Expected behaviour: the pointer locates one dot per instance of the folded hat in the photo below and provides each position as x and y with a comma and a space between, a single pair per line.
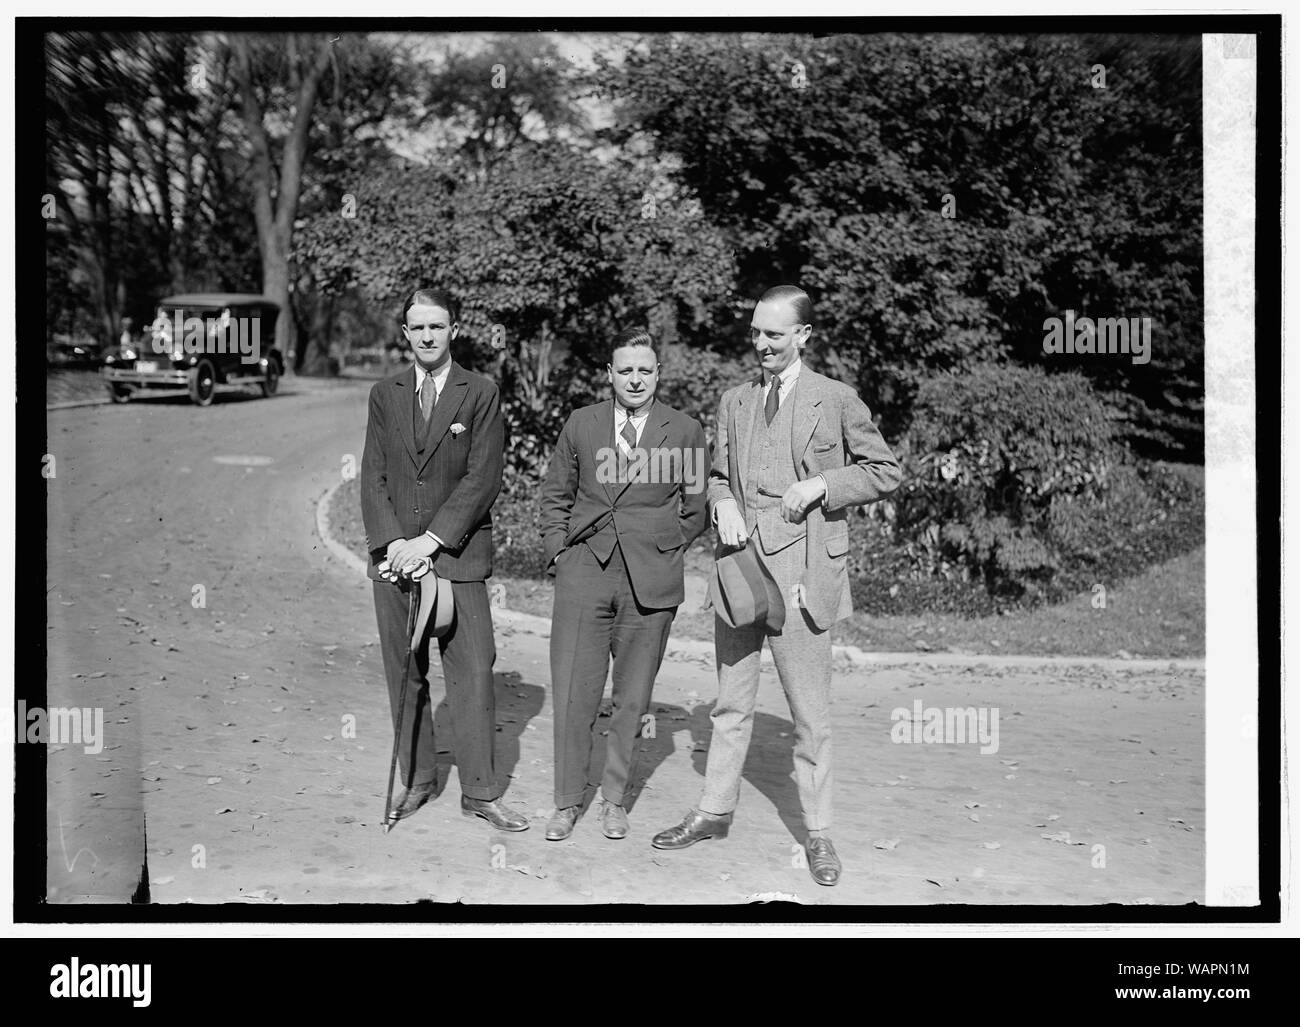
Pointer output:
436, 601
744, 592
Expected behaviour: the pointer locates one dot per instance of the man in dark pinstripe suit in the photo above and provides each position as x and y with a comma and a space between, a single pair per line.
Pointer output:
431, 471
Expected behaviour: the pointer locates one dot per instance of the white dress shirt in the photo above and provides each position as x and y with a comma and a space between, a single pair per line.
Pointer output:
439, 379
638, 419
787, 377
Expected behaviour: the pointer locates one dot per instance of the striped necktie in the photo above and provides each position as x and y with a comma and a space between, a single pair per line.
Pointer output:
773, 402
428, 395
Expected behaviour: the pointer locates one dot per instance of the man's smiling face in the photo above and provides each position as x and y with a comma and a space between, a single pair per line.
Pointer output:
776, 335
429, 331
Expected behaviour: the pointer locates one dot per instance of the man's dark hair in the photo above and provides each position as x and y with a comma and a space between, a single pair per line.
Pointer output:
432, 298
636, 336
796, 297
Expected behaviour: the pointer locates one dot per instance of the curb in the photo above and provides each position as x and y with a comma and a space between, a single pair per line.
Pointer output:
694, 648
345, 555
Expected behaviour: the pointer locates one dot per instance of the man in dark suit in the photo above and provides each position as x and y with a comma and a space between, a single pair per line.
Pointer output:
795, 451
624, 496
434, 456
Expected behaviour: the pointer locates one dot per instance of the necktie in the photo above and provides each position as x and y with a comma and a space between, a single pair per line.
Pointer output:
629, 434
773, 402
427, 396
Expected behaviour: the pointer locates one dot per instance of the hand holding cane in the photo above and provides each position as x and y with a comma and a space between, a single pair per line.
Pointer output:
421, 569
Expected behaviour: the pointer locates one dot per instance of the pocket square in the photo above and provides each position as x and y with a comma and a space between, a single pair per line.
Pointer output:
457, 428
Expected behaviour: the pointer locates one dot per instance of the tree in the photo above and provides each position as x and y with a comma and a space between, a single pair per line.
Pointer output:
84, 86
365, 109
276, 177
552, 253
142, 160
510, 91
941, 196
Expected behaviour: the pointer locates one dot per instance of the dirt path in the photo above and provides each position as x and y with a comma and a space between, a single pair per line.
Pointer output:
230, 743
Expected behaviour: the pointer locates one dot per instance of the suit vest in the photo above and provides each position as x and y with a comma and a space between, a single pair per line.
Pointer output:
770, 471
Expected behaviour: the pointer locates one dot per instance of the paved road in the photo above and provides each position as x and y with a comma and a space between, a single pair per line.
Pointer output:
247, 737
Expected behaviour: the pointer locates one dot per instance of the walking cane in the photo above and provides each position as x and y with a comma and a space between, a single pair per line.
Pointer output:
413, 605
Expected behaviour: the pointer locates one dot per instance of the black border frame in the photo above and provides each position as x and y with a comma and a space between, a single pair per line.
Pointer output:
29, 866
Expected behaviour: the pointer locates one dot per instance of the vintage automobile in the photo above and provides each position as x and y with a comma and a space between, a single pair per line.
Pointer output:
200, 343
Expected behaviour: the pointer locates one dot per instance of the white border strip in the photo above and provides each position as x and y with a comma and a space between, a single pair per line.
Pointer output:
1229, 72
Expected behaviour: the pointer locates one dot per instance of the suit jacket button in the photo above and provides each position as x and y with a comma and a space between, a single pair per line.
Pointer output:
419, 482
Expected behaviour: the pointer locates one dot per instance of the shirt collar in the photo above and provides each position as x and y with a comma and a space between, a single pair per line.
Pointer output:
439, 378
788, 375
621, 415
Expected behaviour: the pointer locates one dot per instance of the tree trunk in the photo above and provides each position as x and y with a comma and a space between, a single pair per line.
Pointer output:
274, 215
275, 285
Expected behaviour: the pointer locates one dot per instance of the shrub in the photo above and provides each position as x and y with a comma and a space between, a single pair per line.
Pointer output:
1016, 487
533, 425
996, 459
515, 536
693, 381
1148, 514
885, 578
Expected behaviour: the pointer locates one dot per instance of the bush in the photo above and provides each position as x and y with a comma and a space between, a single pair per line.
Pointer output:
533, 425
885, 579
1016, 487
515, 534
693, 381
1148, 514
995, 458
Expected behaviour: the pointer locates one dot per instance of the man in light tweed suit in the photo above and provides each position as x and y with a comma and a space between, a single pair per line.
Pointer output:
794, 451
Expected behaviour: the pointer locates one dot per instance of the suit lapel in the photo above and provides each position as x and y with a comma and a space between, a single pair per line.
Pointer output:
402, 406
656, 431
804, 416
454, 391
653, 437
745, 419
601, 435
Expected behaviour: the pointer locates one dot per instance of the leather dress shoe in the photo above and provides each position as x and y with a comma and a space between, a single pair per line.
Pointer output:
695, 828
561, 825
823, 863
495, 812
613, 820
411, 799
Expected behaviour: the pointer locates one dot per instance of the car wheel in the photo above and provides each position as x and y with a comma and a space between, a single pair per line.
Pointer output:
272, 380
119, 393
203, 384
